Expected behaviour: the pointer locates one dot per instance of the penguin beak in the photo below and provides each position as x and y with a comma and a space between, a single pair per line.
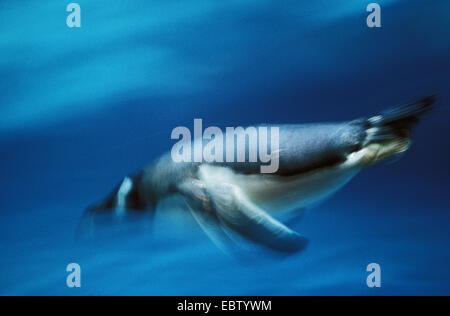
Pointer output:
126, 192
94, 208
104, 204
101, 206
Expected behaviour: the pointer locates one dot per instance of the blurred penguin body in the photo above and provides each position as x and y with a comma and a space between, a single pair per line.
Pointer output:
231, 199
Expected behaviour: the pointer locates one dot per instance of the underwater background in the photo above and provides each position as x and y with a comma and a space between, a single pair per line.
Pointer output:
81, 108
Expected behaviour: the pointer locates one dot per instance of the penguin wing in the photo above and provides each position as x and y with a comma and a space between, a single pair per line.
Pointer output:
225, 206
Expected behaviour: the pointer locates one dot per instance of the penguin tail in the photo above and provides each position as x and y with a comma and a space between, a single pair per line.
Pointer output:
389, 132
400, 119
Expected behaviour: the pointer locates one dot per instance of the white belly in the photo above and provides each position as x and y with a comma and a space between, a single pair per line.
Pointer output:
279, 194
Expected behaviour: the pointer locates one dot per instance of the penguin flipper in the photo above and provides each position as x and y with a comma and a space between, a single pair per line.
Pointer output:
230, 208
212, 228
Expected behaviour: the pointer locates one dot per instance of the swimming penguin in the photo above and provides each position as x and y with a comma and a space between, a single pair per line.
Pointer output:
231, 200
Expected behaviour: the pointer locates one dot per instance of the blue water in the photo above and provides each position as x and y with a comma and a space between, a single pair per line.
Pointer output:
81, 108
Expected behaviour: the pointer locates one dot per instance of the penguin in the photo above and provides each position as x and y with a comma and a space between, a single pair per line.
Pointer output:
234, 201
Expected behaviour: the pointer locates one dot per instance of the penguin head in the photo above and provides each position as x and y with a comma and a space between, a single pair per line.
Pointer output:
127, 195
